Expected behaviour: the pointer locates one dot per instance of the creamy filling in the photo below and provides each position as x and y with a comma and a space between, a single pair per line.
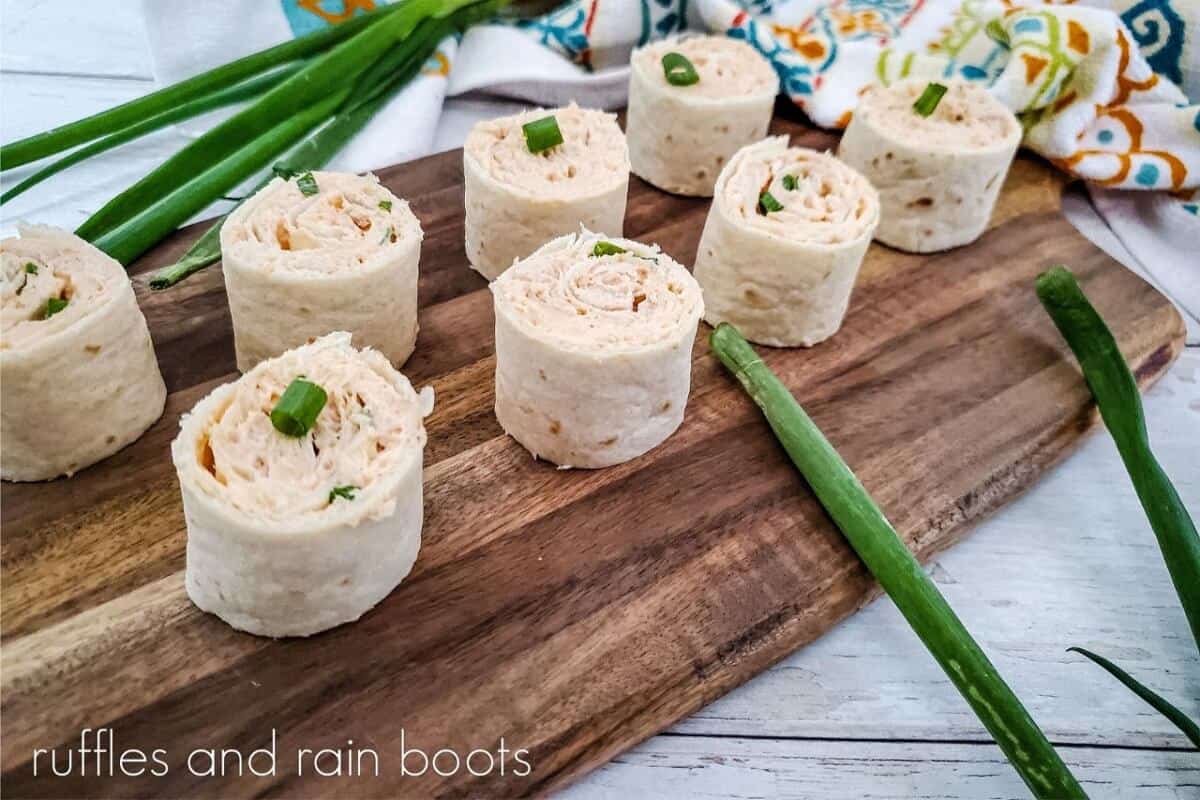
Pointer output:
349, 221
591, 159
367, 429
824, 200
727, 68
45, 268
967, 117
606, 302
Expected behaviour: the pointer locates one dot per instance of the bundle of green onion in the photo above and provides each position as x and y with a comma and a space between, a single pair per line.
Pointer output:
310, 95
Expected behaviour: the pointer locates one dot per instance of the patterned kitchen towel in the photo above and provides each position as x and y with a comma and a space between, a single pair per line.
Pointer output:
1101, 85
1100, 92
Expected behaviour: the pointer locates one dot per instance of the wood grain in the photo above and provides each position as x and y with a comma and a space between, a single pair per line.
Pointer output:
570, 613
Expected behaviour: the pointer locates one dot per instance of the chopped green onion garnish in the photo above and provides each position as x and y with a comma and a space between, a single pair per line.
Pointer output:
53, 306
387, 235
284, 172
768, 203
31, 268
307, 184
298, 408
607, 249
678, 70
386, 205
789, 182
927, 103
344, 492
542, 134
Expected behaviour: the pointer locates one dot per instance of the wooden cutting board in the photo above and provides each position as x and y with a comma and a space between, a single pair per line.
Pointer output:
569, 613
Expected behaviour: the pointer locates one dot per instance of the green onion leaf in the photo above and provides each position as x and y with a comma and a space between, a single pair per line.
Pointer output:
326, 81
388, 235
1156, 701
53, 306
789, 182
137, 111
678, 70
898, 572
607, 249
542, 134
371, 94
1116, 394
344, 492
297, 410
768, 203
927, 103
31, 268
385, 205
242, 91
307, 184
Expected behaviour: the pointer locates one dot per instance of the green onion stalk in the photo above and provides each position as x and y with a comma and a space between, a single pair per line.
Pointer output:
1116, 394
331, 73
138, 233
899, 573
1156, 701
374, 90
222, 97
135, 111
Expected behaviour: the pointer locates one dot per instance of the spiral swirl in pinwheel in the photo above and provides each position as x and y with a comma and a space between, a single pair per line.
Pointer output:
938, 176
517, 200
317, 253
291, 536
78, 376
680, 137
784, 238
593, 349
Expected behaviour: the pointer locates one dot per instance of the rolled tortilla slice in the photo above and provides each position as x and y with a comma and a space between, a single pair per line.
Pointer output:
291, 536
78, 385
517, 200
680, 137
593, 352
784, 276
305, 258
938, 176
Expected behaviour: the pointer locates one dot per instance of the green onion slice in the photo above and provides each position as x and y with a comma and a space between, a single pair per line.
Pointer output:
298, 408
386, 205
344, 492
31, 268
927, 103
284, 172
768, 203
607, 249
678, 70
307, 184
53, 306
789, 182
542, 134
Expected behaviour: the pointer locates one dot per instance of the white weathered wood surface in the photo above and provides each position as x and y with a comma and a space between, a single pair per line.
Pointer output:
864, 712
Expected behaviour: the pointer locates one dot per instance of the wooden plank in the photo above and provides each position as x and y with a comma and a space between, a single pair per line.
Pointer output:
741, 769
574, 613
